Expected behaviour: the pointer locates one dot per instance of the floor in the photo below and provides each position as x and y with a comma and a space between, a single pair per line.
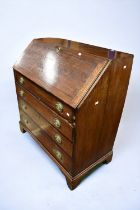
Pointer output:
29, 180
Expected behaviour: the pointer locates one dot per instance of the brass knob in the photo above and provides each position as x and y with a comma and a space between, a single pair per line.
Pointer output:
24, 107
57, 123
59, 106
21, 92
58, 154
26, 121
21, 80
58, 138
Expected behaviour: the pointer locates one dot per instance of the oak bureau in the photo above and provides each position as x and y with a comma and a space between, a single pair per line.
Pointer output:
70, 97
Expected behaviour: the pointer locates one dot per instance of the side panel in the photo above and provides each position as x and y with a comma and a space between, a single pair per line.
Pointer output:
89, 121
97, 125
119, 80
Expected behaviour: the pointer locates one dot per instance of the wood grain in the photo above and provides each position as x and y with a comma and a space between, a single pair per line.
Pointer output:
90, 83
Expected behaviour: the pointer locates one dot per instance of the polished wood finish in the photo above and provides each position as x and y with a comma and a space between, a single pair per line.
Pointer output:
71, 97
65, 144
44, 96
89, 124
44, 139
46, 112
58, 71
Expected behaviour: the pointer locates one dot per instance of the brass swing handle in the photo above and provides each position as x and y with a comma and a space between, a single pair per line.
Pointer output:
59, 106
57, 154
57, 123
58, 138
21, 93
21, 80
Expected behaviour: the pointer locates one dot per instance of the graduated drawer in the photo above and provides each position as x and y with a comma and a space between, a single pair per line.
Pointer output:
56, 136
58, 106
53, 118
45, 140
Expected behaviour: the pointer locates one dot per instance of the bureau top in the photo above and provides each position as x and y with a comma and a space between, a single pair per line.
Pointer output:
64, 68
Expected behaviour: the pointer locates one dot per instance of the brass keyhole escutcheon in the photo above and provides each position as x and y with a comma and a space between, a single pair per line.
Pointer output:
58, 49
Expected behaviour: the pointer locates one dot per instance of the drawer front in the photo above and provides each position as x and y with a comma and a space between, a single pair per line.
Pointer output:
58, 122
58, 106
41, 136
56, 136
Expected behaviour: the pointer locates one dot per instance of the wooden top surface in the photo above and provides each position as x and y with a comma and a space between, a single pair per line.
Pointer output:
63, 71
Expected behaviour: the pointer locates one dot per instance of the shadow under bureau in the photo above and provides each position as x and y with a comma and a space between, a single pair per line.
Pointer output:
71, 96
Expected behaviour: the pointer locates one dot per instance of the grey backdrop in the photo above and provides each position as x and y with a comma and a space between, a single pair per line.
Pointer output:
29, 180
